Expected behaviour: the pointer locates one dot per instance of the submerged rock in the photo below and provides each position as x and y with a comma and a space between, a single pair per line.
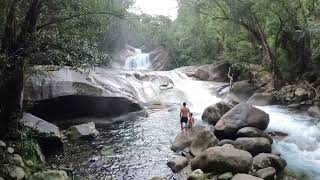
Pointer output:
83, 131
213, 113
265, 160
203, 141
183, 141
178, 164
223, 159
242, 115
49, 175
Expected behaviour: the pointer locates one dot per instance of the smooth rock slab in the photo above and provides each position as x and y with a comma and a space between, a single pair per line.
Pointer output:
266, 173
245, 177
242, 115
49, 175
203, 141
178, 164
223, 159
265, 160
83, 131
254, 145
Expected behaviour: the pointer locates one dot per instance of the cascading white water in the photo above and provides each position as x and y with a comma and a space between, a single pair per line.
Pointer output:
139, 61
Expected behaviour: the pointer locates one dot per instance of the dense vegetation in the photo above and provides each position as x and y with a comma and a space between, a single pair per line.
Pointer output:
46, 32
282, 35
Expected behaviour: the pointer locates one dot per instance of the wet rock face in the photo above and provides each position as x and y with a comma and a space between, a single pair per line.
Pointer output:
223, 159
72, 93
242, 115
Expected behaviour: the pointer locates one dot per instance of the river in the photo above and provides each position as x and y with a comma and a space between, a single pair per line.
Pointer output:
138, 147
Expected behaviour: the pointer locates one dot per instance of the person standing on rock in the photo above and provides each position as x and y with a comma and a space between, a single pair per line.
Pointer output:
191, 121
184, 114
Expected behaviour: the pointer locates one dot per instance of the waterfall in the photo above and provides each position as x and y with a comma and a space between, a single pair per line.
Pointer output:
138, 61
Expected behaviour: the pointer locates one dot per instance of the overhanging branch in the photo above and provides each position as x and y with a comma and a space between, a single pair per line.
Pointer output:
61, 20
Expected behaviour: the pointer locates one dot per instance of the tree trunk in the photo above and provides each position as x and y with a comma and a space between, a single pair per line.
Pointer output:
12, 75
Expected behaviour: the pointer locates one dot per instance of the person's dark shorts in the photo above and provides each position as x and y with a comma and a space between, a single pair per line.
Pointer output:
184, 120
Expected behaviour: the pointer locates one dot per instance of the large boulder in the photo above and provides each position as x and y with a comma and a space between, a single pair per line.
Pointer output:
314, 111
49, 175
203, 141
242, 115
83, 131
178, 164
12, 172
213, 72
254, 145
266, 173
197, 175
223, 159
245, 177
242, 90
265, 160
213, 113
261, 99
253, 132
183, 141
66, 92
48, 135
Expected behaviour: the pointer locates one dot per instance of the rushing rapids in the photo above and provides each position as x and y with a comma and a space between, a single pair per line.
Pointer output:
137, 147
